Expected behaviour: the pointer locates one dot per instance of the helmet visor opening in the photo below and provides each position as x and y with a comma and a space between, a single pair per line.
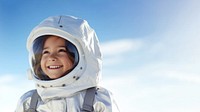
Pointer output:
37, 53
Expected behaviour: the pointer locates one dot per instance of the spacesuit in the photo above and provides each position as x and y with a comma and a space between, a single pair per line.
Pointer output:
66, 94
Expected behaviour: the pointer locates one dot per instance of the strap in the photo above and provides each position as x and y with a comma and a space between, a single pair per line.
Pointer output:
89, 100
34, 101
87, 104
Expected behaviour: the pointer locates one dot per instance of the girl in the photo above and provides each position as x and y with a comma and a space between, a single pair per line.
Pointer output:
66, 62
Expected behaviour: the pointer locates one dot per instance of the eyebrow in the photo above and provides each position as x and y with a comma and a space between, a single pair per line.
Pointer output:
48, 47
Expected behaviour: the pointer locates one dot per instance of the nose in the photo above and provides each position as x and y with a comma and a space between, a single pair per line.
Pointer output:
52, 57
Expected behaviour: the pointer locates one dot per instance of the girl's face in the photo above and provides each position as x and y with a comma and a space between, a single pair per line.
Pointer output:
55, 61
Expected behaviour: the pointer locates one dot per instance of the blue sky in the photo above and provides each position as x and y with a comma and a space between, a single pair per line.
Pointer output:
151, 49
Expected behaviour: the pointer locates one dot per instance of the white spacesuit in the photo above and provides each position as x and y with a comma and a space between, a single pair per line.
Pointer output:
66, 94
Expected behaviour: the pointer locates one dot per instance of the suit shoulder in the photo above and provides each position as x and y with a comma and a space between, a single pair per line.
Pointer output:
27, 95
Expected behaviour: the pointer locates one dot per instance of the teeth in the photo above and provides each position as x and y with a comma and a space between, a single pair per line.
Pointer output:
54, 67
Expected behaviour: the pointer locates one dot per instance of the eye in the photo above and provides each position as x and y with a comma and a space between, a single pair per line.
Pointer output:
62, 50
45, 52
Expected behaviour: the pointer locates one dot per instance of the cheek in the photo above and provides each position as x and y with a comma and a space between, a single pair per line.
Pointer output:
42, 62
70, 64
67, 62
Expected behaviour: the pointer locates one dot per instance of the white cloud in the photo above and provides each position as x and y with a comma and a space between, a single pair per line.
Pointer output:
148, 90
183, 76
118, 47
114, 51
166, 80
6, 79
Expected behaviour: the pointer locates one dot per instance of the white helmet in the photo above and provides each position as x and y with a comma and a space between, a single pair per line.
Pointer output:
84, 46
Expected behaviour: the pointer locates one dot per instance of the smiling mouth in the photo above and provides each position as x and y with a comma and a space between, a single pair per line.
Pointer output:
55, 67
